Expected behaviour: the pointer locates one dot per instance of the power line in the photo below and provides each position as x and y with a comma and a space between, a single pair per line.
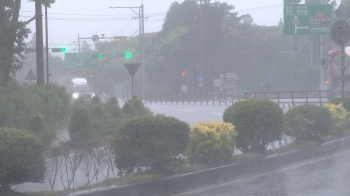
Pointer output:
260, 8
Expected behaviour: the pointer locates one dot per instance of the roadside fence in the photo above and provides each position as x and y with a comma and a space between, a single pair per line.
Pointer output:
286, 100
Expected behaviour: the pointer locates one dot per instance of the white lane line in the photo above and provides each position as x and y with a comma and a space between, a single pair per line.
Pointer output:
187, 110
218, 113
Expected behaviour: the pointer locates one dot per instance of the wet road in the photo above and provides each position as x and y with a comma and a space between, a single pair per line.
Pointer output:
324, 176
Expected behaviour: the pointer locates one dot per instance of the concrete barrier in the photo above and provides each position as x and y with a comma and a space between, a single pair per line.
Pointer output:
185, 181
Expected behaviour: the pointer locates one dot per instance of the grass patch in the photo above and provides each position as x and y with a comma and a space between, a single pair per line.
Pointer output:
246, 157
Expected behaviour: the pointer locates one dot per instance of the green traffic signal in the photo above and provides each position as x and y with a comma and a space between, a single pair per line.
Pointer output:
128, 55
100, 56
64, 49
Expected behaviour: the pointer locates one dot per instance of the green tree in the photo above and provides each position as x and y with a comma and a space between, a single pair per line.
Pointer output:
116, 112
12, 41
80, 126
258, 122
21, 158
128, 109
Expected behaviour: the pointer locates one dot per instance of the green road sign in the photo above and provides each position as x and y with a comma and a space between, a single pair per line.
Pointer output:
291, 1
77, 60
302, 19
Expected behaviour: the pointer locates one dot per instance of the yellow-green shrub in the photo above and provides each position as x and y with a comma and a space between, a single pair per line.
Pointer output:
339, 116
211, 143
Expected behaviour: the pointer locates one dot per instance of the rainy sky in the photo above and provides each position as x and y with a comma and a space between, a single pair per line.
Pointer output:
67, 18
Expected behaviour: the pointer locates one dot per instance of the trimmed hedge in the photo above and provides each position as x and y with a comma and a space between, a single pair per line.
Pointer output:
258, 122
153, 142
21, 158
308, 122
338, 100
339, 115
211, 143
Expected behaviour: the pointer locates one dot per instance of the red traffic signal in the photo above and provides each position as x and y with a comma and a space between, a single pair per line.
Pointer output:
183, 73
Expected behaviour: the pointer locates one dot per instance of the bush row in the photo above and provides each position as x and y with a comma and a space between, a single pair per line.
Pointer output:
93, 119
161, 144
18, 103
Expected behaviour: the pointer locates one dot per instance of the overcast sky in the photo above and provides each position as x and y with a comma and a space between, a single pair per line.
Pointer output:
67, 18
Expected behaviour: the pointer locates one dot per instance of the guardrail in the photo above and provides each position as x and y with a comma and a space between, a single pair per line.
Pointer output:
226, 98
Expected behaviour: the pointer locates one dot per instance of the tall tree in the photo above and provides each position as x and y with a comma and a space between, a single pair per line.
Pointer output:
12, 41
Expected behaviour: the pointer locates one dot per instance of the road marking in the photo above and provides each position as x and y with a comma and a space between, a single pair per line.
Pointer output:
314, 160
218, 113
187, 110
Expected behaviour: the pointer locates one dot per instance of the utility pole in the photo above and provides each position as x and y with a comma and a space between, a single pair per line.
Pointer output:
47, 47
39, 43
141, 18
343, 29
79, 43
321, 55
200, 66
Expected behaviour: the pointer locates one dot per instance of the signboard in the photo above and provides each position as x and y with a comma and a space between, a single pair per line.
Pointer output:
291, 1
217, 82
302, 19
200, 78
30, 75
95, 38
231, 81
132, 68
184, 88
340, 32
306, 1
77, 59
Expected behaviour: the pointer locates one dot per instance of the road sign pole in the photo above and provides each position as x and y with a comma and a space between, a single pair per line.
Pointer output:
132, 86
342, 61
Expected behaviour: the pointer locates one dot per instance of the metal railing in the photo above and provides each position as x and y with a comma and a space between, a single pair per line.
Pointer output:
227, 98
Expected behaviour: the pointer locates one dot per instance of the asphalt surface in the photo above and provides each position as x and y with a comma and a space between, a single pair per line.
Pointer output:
322, 176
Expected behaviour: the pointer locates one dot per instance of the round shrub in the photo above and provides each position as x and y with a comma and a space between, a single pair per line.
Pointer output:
78, 102
112, 101
21, 159
339, 116
80, 126
211, 143
338, 100
307, 122
140, 108
116, 112
154, 142
128, 109
95, 100
37, 126
99, 112
258, 122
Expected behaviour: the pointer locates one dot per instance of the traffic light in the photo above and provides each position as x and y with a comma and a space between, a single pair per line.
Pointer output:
183, 74
128, 55
97, 56
64, 49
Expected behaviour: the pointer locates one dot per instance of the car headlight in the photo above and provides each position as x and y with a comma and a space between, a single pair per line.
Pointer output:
93, 95
75, 95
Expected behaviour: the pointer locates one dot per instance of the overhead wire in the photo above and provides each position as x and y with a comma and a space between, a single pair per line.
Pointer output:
133, 21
